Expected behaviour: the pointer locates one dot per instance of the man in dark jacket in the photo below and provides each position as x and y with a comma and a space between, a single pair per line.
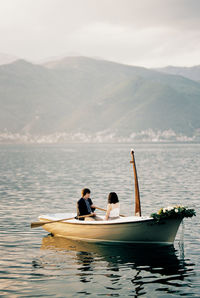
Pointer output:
85, 205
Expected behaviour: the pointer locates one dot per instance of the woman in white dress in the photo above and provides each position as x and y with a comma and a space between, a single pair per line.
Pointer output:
112, 207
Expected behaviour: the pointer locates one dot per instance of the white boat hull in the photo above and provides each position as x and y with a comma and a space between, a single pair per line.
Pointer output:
124, 230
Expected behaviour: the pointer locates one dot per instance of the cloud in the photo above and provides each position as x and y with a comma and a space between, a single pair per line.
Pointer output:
145, 32
150, 46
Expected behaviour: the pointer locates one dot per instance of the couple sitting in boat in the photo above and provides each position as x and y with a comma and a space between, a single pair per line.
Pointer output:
85, 206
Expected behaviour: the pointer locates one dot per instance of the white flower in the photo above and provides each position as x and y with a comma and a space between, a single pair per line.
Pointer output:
164, 210
176, 210
169, 208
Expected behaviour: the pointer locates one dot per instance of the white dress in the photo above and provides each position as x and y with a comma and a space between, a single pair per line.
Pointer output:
114, 213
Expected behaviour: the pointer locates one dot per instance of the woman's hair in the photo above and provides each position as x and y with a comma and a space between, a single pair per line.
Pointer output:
112, 198
84, 191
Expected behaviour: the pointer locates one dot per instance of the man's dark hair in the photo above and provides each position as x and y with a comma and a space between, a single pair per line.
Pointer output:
112, 198
84, 191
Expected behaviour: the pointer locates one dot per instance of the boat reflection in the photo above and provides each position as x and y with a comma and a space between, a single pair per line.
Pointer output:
161, 262
145, 257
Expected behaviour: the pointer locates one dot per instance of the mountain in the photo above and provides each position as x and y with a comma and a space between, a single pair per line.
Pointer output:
85, 96
192, 73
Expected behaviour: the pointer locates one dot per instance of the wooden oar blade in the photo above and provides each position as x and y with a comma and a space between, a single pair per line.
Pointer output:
37, 224
41, 223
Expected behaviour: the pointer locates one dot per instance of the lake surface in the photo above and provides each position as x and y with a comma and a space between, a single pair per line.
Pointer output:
43, 179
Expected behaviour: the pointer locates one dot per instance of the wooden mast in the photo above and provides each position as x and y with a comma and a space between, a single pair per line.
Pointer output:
137, 192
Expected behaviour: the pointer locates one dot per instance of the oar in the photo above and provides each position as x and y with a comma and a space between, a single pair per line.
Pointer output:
106, 210
41, 223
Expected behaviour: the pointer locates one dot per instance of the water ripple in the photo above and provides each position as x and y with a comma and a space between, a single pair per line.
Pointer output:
46, 179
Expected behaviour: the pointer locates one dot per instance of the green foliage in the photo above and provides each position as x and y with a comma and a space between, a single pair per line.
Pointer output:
173, 212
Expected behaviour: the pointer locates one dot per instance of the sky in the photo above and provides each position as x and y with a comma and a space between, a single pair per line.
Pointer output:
149, 33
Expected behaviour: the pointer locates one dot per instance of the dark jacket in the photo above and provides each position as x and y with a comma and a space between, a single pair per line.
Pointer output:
82, 207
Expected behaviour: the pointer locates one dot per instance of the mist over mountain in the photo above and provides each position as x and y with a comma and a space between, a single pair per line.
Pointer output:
77, 97
192, 73
6, 59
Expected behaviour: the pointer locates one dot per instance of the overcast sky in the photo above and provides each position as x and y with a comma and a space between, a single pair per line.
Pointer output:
148, 33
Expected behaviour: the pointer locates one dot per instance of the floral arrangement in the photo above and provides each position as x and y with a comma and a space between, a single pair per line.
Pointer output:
173, 212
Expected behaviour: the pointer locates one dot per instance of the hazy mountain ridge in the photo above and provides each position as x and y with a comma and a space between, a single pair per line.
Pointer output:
192, 73
84, 97
6, 59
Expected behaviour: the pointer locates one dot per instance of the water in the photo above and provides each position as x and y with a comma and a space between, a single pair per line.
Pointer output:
48, 179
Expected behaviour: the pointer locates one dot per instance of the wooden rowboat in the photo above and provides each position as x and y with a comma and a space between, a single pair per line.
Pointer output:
128, 229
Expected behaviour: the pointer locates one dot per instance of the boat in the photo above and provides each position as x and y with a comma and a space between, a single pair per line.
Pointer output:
130, 229
159, 229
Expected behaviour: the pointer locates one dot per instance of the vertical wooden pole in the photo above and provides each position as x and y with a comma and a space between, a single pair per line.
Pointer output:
137, 192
